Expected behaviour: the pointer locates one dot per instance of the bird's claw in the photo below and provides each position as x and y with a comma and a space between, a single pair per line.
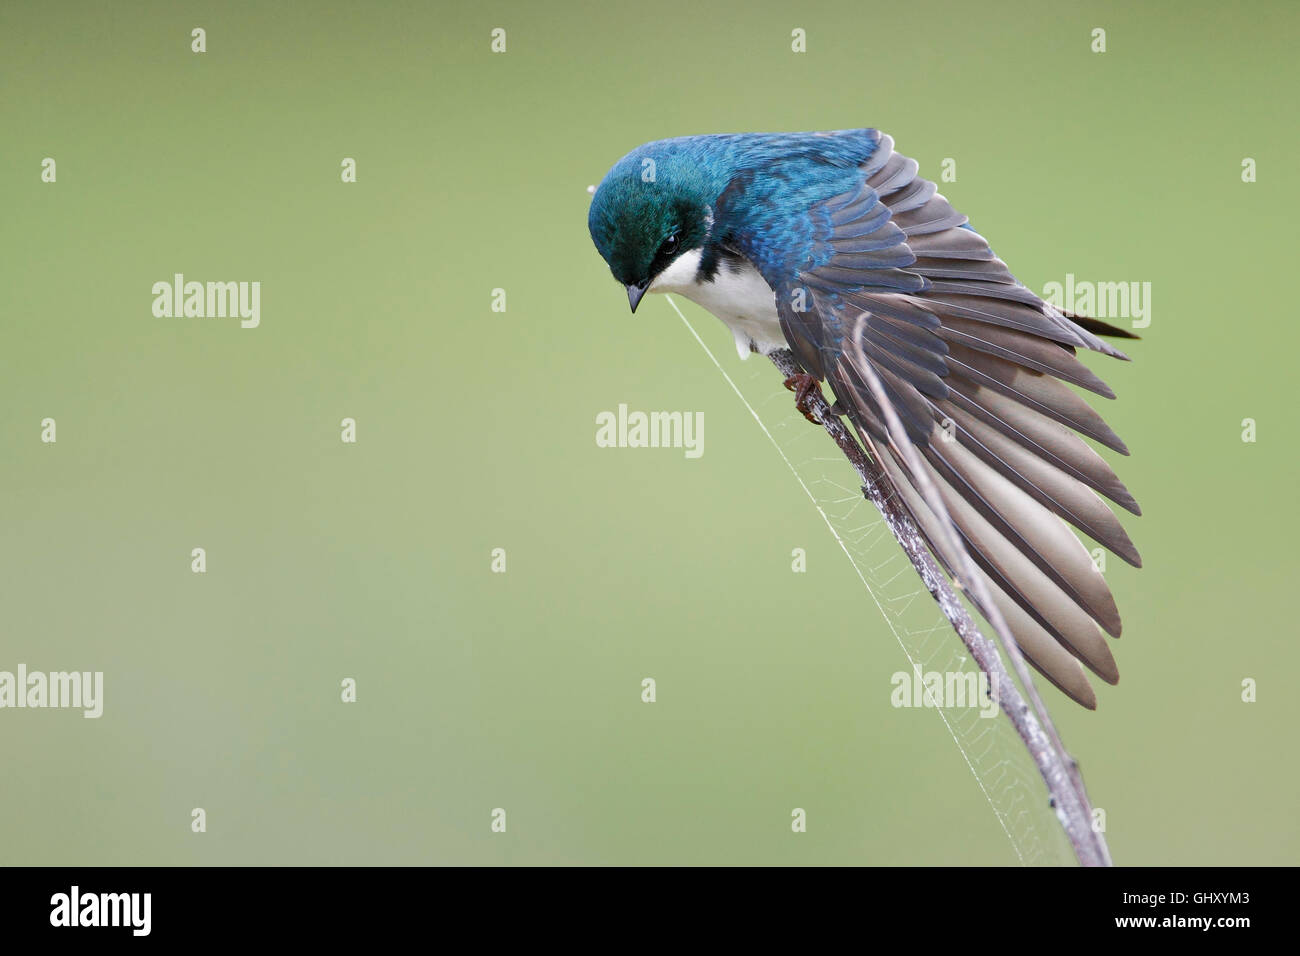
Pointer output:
804, 387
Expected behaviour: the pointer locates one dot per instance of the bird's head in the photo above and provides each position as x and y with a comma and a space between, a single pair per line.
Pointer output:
648, 211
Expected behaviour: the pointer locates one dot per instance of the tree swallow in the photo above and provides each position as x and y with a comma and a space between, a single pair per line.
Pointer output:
830, 245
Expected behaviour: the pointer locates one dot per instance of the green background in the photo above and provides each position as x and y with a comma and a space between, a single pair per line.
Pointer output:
476, 431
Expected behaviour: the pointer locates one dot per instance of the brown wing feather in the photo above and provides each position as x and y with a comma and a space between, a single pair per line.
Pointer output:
980, 372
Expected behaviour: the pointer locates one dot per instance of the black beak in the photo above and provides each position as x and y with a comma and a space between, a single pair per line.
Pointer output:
634, 293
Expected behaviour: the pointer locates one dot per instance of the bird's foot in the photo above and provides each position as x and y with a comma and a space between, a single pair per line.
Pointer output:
804, 387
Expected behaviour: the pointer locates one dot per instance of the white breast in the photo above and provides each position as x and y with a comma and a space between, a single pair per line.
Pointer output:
742, 299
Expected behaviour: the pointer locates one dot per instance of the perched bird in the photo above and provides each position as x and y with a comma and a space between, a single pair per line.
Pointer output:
829, 244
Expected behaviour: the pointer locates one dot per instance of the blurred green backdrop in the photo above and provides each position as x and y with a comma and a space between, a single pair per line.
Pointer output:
476, 431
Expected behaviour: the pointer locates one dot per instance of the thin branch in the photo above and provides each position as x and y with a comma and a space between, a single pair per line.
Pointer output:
1059, 771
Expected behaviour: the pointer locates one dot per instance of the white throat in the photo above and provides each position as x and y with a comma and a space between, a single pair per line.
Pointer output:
740, 298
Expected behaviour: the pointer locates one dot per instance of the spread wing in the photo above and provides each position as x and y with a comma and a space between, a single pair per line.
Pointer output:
979, 370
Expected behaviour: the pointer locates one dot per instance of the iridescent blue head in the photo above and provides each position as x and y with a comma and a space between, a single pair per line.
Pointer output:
652, 207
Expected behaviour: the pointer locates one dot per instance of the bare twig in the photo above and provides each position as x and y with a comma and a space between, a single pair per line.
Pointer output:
1058, 769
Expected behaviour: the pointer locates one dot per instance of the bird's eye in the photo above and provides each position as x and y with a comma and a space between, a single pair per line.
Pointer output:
670, 246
